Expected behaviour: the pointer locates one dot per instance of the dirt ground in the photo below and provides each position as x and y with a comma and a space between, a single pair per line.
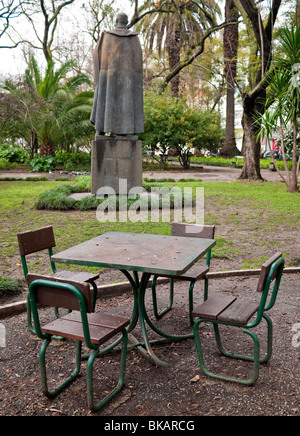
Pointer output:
150, 391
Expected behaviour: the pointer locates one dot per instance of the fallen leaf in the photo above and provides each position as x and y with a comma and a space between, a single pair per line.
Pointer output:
195, 379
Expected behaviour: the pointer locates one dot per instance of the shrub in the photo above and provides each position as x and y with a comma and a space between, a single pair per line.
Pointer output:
46, 164
4, 164
82, 184
171, 122
56, 199
59, 198
9, 286
74, 161
14, 154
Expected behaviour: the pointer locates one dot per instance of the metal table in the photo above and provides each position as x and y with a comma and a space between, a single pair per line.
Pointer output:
139, 253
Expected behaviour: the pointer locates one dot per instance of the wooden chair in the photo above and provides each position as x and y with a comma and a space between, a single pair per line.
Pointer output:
34, 241
81, 325
242, 313
194, 274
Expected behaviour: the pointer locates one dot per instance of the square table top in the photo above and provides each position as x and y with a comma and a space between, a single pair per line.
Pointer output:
156, 254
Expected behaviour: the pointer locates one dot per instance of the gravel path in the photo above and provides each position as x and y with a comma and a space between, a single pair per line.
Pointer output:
204, 172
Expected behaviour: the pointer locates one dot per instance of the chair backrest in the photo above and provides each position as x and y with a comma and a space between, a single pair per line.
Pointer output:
193, 230
34, 241
55, 292
265, 270
271, 271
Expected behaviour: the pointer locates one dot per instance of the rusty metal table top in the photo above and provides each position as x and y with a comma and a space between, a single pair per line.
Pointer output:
155, 254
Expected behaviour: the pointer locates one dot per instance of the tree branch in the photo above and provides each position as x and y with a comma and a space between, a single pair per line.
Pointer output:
190, 60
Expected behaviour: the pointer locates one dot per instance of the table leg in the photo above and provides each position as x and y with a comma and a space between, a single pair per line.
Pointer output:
139, 313
139, 288
142, 319
134, 317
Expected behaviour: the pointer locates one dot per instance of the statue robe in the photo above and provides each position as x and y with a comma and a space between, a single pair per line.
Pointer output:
118, 99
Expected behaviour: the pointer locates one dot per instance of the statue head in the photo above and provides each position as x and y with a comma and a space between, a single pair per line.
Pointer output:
122, 20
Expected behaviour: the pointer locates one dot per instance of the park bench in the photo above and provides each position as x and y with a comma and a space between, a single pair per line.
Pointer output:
81, 324
194, 274
242, 313
42, 239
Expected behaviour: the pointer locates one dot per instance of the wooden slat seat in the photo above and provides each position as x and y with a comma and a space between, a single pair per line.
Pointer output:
102, 327
227, 309
76, 276
239, 312
213, 306
193, 274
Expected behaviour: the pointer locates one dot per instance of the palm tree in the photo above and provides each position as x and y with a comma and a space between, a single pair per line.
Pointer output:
60, 104
176, 25
282, 108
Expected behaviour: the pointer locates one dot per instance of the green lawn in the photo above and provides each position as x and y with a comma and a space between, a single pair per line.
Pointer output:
253, 220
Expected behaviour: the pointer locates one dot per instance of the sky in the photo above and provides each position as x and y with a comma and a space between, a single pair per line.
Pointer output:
12, 60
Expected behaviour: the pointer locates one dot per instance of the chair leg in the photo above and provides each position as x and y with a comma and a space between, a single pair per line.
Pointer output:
249, 358
254, 359
29, 318
269, 339
191, 297
90, 384
95, 293
191, 302
68, 381
157, 314
205, 288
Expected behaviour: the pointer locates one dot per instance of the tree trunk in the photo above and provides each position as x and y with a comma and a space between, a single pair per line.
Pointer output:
298, 13
251, 147
47, 150
34, 145
263, 33
174, 59
231, 42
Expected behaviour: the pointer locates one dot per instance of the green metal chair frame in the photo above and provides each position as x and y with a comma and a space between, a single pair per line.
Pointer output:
34, 241
227, 314
179, 229
74, 296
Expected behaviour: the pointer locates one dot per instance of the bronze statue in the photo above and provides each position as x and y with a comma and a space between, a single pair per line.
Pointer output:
118, 65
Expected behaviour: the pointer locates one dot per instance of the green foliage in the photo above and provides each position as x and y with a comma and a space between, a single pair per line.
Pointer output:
47, 108
170, 122
59, 197
56, 199
236, 163
38, 164
14, 154
282, 105
9, 286
4, 164
74, 161
82, 184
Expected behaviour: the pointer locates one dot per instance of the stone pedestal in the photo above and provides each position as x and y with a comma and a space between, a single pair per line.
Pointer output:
115, 158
